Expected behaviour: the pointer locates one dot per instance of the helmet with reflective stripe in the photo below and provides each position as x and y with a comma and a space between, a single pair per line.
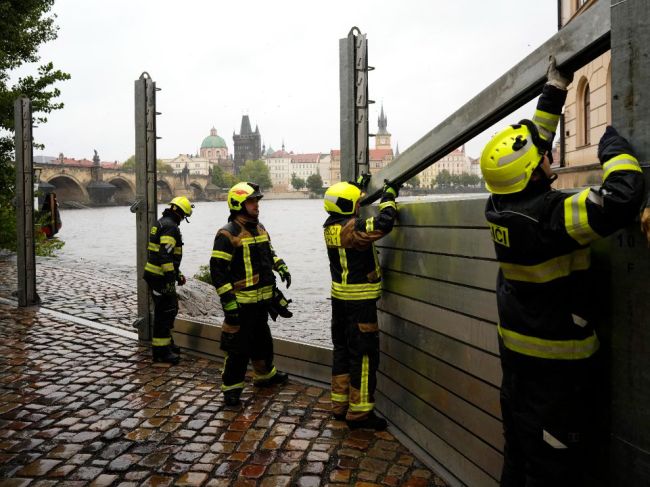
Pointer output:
241, 192
509, 159
183, 204
342, 198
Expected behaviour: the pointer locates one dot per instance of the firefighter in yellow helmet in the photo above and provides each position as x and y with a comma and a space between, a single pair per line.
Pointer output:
550, 394
356, 287
162, 273
241, 268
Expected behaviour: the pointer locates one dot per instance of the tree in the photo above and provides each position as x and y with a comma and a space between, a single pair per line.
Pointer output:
222, 179
162, 168
296, 182
314, 183
129, 164
414, 182
444, 179
256, 172
24, 26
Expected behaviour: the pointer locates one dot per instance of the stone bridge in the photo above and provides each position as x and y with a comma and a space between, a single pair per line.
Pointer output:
79, 184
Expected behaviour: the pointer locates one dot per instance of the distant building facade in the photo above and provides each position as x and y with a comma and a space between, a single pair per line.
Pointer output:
455, 163
248, 144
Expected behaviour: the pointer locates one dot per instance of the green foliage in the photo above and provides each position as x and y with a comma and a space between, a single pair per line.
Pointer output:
129, 164
24, 26
222, 179
256, 172
314, 184
162, 168
444, 179
414, 182
204, 274
296, 182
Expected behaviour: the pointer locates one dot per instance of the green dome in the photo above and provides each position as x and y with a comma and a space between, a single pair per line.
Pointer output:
213, 142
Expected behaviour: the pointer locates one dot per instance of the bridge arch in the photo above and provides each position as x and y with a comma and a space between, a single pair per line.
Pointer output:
197, 191
69, 189
125, 193
165, 193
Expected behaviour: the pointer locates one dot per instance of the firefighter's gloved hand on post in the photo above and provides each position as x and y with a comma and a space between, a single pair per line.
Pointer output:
230, 309
391, 190
555, 77
612, 144
279, 305
180, 279
282, 269
362, 181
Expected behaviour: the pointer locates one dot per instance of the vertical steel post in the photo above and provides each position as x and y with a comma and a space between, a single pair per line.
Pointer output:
145, 206
353, 79
26, 256
629, 259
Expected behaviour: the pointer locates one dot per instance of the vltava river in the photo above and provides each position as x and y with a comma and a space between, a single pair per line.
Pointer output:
107, 236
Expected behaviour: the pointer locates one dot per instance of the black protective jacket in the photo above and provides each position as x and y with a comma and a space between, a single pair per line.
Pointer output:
354, 265
541, 237
165, 250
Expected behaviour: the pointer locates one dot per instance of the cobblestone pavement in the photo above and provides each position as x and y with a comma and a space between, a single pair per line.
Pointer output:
88, 290
80, 406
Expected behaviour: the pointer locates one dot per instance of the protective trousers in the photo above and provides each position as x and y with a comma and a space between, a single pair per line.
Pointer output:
251, 339
355, 336
550, 420
164, 314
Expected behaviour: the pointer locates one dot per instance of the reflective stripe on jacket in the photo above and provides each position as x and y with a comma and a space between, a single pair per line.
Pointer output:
354, 264
164, 251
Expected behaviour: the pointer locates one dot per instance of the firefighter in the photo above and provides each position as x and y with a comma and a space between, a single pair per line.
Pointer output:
241, 268
162, 273
550, 395
356, 287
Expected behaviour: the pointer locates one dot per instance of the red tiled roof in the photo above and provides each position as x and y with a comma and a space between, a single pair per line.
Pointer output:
315, 157
380, 154
280, 153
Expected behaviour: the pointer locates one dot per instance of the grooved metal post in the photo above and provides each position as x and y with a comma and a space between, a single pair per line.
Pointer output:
629, 258
25, 203
353, 79
145, 206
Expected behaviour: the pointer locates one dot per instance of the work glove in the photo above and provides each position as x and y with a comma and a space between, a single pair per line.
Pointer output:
391, 190
555, 77
362, 181
645, 224
283, 270
612, 144
180, 279
230, 309
279, 305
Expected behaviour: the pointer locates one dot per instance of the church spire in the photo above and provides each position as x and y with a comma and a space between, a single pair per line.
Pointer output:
382, 121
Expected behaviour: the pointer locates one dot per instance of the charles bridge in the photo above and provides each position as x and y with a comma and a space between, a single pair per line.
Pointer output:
98, 185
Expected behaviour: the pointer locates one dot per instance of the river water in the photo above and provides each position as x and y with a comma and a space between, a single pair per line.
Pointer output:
107, 237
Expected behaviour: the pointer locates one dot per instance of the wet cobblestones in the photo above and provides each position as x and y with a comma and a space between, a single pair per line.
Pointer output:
87, 290
84, 407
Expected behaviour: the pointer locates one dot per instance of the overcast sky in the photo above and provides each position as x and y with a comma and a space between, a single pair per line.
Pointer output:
276, 61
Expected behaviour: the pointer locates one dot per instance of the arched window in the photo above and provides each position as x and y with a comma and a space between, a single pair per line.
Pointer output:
586, 103
583, 115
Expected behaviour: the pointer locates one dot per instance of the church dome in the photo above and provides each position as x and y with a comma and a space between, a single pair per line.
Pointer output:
213, 141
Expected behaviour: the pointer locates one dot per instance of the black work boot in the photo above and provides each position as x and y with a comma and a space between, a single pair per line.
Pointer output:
164, 355
371, 422
231, 397
278, 378
174, 348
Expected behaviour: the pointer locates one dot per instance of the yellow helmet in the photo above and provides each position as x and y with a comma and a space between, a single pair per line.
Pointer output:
184, 204
241, 192
342, 198
509, 159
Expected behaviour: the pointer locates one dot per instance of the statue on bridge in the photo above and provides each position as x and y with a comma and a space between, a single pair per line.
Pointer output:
96, 158
185, 173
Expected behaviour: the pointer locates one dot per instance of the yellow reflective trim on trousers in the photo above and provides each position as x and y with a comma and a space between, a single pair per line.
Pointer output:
356, 291
239, 385
224, 289
623, 162
576, 218
343, 258
370, 225
154, 269
255, 295
178, 250
258, 378
167, 267
386, 204
167, 239
363, 404
550, 270
549, 349
161, 342
339, 397
218, 254
154, 247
